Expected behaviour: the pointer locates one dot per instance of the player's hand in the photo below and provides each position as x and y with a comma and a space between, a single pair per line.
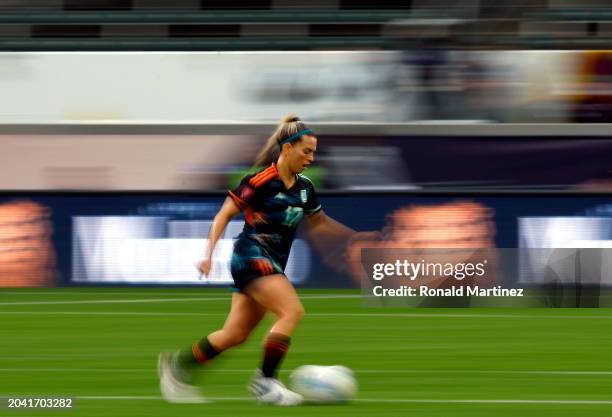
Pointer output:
204, 267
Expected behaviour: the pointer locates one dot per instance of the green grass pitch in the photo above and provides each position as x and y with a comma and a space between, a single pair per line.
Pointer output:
99, 346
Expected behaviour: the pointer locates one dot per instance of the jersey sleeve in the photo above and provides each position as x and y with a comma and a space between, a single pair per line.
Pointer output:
312, 203
244, 194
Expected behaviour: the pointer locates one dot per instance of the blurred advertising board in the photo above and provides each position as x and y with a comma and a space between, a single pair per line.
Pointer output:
158, 249
155, 238
27, 255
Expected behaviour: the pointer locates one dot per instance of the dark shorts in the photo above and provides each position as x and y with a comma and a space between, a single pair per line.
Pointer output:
250, 261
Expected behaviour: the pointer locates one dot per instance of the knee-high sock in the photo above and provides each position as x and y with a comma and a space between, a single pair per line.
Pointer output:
275, 349
198, 353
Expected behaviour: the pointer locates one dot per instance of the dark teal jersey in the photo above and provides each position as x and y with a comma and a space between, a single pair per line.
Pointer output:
272, 211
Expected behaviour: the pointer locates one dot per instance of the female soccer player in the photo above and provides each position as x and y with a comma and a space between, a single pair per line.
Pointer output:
274, 201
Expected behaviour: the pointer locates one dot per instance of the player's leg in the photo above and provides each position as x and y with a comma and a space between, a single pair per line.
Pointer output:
244, 316
276, 294
175, 369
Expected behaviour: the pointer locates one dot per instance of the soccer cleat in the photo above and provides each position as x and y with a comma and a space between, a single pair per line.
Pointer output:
272, 391
171, 385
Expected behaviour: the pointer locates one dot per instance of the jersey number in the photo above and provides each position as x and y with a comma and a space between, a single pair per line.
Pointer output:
293, 215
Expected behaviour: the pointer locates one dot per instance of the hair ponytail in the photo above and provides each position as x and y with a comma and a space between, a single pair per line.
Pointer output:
289, 125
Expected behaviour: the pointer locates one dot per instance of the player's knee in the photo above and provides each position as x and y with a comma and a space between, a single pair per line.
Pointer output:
296, 313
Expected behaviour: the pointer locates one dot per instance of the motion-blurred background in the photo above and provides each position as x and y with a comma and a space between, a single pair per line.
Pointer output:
470, 128
122, 122
187, 91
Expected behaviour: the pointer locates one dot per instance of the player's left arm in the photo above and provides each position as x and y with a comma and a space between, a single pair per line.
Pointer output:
321, 226
330, 239
327, 236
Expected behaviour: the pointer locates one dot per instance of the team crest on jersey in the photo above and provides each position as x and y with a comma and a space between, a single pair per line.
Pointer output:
303, 196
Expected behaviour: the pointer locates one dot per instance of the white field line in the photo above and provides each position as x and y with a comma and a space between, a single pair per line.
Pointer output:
117, 301
357, 371
358, 400
109, 313
159, 300
373, 400
308, 315
126, 291
198, 291
452, 315
477, 401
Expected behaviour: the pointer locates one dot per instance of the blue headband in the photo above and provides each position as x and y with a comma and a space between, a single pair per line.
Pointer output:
294, 137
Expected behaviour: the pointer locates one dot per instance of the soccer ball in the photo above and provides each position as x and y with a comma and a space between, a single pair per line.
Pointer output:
324, 384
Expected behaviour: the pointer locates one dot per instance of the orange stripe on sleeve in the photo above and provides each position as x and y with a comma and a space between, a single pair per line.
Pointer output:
262, 180
264, 176
261, 175
240, 202
266, 171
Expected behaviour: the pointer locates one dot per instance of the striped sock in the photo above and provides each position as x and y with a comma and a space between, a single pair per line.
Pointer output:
199, 353
275, 349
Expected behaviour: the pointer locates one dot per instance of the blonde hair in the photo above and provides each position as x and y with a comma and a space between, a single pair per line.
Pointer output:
288, 126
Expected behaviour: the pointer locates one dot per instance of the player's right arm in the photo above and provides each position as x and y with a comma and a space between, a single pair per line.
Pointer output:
228, 210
